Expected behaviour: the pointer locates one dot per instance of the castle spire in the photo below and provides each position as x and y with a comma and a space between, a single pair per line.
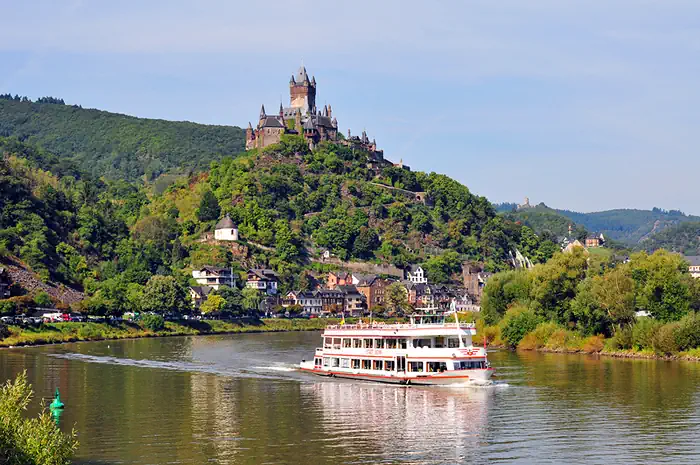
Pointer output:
313, 81
262, 111
329, 110
292, 81
281, 109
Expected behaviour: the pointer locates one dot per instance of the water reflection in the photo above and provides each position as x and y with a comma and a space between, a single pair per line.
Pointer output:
420, 425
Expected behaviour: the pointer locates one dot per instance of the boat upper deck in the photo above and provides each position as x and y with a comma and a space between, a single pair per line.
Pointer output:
400, 329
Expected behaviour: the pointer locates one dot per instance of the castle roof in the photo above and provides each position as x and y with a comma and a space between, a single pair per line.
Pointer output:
309, 125
271, 122
301, 74
225, 223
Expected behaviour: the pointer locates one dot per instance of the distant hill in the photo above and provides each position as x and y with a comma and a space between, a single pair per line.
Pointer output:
113, 145
683, 238
544, 220
627, 225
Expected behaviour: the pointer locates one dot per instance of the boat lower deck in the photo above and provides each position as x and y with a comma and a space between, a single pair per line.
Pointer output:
444, 378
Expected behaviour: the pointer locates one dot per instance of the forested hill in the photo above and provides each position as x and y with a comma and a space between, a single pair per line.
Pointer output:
290, 204
683, 238
627, 225
113, 145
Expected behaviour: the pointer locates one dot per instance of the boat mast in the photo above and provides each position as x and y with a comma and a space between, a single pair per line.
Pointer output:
459, 332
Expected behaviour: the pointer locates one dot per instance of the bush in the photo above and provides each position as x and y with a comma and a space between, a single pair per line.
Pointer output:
153, 322
518, 321
89, 331
539, 337
594, 344
688, 332
643, 332
7, 307
36, 441
562, 339
664, 341
622, 339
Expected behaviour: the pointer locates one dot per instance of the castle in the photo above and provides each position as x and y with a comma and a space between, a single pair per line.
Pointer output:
302, 117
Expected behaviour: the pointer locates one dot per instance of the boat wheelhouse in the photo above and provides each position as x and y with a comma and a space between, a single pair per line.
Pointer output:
423, 351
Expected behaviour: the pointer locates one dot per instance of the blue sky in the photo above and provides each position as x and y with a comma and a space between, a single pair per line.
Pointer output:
581, 105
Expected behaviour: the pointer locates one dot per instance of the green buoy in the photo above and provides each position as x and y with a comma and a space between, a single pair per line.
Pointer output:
56, 404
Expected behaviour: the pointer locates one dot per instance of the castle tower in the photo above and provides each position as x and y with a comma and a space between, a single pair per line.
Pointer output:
302, 91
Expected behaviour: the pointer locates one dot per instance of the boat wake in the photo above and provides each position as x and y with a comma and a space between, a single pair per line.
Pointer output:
285, 369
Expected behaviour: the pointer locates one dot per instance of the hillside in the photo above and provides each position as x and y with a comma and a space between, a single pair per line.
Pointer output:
291, 204
629, 226
683, 238
116, 146
544, 221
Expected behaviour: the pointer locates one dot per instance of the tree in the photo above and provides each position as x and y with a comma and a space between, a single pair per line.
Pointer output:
209, 208
503, 290
441, 268
36, 441
365, 243
554, 284
251, 299
42, 299
165, 294
213, 304
233, 300
397, 297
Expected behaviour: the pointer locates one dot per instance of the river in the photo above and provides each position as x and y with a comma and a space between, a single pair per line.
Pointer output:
236, 399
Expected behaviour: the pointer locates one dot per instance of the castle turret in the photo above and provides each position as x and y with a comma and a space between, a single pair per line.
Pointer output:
302, 93
262, 112
329, 111
313, 81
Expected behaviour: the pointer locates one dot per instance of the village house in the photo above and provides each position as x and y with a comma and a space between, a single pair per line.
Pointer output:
214, 276
338, 279
694, 267
416, 275
226, 230
355, 301
332, 300
5, 283
199, 294
595, 240
373, 288
264, 280
310, 301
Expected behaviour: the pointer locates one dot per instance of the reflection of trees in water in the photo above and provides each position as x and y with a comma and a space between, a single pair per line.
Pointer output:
422, 425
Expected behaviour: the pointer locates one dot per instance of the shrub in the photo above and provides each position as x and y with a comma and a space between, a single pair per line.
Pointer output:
664, 341
89, 331
594, 344
688, 332
518, 321
562, 339
7, 307
492, 333
153, 322
539, 337
643, 332
622, 339
36, 441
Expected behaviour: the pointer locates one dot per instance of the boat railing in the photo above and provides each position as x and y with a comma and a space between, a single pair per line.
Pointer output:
393, 326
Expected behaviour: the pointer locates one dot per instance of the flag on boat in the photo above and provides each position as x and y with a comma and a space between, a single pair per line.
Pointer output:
342, 320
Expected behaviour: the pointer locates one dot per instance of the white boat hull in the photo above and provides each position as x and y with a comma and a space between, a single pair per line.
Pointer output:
421, 379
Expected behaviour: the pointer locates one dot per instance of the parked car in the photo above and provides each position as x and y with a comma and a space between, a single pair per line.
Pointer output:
8, 320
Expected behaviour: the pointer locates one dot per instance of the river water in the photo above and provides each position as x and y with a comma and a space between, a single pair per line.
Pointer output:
236, 399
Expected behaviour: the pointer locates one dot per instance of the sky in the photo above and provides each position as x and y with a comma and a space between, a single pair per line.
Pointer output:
583, 105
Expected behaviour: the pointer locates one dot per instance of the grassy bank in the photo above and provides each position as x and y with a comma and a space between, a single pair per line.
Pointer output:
54, 333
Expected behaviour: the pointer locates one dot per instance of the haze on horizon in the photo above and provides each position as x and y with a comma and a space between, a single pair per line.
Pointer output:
582, 106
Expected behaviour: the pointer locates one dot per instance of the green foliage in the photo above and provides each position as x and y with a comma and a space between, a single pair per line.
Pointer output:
208, 207
35, 441
42, 299
165, 294
233, 299
118, 146
250, 299
683, 238
396, 297
214, 303
518, 321
503, 290
153, 322
441, 268
643, 332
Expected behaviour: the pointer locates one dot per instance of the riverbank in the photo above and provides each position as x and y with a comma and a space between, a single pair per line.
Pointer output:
56, 333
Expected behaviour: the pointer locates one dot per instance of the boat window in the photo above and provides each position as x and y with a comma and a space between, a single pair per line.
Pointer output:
317, 362
422, 343
437, 367
367, 343
347, 342
453, 343
378, 365
326, 361
379, 343
355, 363
356, 343
469, 365
327, 342
402, 343
366, 364
335, 362
336, 343
415, 366
391, 343
389, 365
344, 363
439, 342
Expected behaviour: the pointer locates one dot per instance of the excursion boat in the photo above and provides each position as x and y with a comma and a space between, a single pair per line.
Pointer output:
423, 351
